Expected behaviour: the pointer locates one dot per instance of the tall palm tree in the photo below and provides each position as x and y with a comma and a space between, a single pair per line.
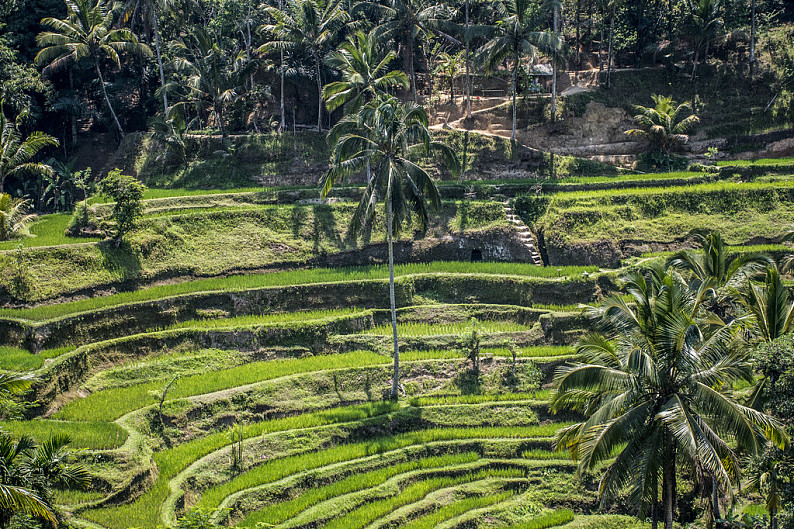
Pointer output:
388, 135
365, 74
666, 124
514, 36
653, 385
706, 26
610, 8
306, 24
87, 33
17, 153
148, 11
212, 79
405, 21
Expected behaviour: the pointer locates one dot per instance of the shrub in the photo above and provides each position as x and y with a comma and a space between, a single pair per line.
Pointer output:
13, 216
127, 193
531, 207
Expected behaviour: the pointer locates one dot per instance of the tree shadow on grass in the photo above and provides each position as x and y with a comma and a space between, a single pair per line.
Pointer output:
325, 227
298, 217
121, 260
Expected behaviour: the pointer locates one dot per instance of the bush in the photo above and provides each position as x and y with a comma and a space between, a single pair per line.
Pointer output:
531, 207
655, 161
127, 193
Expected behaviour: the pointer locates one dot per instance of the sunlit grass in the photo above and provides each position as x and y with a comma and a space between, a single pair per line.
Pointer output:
91, 435
110, 404
47, 230
371, 511
288, 278
277, 513
413, 330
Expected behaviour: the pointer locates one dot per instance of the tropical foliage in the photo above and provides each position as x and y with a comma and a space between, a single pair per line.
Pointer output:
17, 153
654, 387
87, 33
665, 125
387, 136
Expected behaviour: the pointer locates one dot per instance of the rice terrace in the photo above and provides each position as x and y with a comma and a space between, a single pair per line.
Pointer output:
303, 264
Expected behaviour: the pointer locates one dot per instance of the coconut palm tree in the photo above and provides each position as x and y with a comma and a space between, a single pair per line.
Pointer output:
449, 66
148, 12
16, 495
169, 128
28, 473
713, 272
706, 25
405, 21
666, 124
769, 305
306, 24
87, 33
365, 74
653, 385
211, 79
513, 37
388, 135
17, 153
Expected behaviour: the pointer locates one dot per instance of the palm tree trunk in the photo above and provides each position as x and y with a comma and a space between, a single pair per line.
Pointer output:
107, 99
319, 93
219, 115
72, 115
160, 62
283, 116
609, 51
395, 381
409, 49
554, 72
694, 65
514, 83
715, 499
601, 45
468, 75
668, 486
752, 40
655, 506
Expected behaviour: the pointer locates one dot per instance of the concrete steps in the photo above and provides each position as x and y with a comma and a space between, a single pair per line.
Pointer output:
524, 233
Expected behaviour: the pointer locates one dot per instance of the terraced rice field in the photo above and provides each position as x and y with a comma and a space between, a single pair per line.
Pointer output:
279, 418
261, 399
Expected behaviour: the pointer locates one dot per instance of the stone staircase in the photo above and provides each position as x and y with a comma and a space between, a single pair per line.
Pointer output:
524, 234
